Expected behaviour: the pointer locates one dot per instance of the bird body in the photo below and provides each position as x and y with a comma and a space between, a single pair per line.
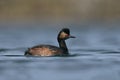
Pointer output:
50, 50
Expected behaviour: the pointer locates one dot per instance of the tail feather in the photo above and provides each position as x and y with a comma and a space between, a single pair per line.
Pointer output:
27, 52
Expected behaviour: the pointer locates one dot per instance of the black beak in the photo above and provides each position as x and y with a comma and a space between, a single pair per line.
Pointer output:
72, 36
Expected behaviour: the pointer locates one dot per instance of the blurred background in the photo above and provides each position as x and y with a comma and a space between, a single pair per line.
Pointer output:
95, 52
56, 11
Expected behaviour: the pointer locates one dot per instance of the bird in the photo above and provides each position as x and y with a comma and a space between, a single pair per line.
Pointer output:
51, 50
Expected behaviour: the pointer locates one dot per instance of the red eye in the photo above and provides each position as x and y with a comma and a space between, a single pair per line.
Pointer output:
66, 35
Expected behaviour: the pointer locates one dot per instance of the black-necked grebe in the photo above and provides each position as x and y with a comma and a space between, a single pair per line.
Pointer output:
49, 50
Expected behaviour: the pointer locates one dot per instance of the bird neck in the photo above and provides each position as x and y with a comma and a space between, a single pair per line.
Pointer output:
63, 46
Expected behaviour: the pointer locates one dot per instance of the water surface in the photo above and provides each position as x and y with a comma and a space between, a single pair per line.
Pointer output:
95, 54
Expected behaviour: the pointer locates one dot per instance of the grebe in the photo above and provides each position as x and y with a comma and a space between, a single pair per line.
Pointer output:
49, 50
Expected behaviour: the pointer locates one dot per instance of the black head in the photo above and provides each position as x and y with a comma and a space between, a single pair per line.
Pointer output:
64, 34
66, 30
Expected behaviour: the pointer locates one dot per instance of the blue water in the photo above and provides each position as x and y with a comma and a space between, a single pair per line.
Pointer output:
95, 53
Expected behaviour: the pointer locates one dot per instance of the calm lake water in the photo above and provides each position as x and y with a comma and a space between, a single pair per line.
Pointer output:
95, 53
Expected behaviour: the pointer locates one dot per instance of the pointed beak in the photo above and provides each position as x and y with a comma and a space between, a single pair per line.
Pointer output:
72, 36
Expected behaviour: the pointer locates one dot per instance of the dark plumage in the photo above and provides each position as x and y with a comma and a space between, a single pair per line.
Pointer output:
50, 50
